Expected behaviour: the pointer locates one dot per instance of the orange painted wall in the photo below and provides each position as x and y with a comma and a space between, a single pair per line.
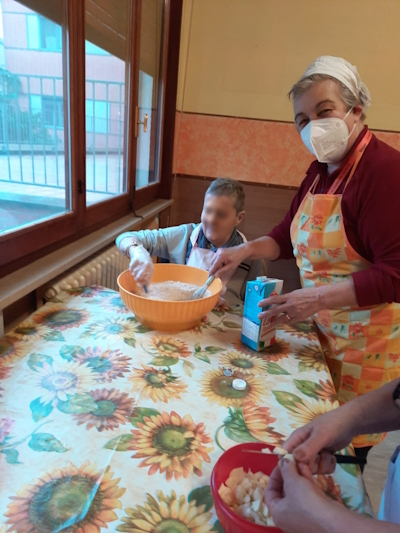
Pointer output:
248, 150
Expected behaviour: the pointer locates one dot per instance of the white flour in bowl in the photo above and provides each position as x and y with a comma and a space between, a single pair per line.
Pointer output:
173, 291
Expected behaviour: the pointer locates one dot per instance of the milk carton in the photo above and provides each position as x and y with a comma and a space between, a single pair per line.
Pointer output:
256, 333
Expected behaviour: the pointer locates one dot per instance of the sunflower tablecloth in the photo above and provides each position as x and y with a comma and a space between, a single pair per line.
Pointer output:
105, 425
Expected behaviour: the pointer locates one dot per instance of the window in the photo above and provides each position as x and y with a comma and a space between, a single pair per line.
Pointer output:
43, 34
68, 144
2, 53
107, 83
50, 34
53, 111
91, 48
150, 99
97, 116
33, 32
1, 23
35, 183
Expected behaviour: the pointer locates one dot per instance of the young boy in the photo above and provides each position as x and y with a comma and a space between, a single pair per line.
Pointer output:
195, 244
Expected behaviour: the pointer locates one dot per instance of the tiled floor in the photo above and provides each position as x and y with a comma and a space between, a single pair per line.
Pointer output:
376, 469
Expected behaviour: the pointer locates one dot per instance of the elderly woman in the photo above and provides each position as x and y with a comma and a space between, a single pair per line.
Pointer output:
344, 230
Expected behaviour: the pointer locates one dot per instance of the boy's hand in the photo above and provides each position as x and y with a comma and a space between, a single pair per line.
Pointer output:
222, 304
141, 265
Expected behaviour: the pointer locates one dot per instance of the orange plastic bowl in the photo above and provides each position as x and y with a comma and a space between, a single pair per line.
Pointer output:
235, 458
164, 315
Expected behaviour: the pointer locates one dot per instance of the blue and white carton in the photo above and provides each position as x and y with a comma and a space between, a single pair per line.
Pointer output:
256, 333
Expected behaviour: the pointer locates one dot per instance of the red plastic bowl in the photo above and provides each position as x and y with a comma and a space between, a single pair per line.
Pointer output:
235, 458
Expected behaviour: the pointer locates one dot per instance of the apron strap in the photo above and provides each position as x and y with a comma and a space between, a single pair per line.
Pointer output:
243, 236
314, 185
195, 235
351, 163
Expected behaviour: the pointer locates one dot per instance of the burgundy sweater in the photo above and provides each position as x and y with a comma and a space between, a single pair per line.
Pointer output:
371, 216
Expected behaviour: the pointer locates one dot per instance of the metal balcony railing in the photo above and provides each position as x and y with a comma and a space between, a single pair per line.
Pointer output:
33, 114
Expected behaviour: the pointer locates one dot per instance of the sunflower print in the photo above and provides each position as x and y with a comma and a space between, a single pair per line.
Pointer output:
113, 409
59, 317
108, 365
239, 346
28, 330
88, 292
62, 378
246, 364
114, 304
301, 330
277, 351
158, 384
218, 388
4, 371
311, 358
6, 425
306, 411
167, 514
327, 484
204, 324
112, 329
10, 350
170, 347
326, 390
73, 500
257, 420
170, 444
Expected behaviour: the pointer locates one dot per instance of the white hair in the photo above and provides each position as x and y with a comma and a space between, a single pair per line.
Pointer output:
304, 84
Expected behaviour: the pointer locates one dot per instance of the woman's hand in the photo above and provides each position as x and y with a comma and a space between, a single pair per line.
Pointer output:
292, 307
296, 504
226, 261
304, 303
141, 265
313, 444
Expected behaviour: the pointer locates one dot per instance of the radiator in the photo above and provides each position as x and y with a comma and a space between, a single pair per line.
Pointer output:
103, 269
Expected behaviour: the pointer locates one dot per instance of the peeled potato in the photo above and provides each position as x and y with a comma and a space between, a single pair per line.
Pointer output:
289, 457
244, 493
277, 450
280, 451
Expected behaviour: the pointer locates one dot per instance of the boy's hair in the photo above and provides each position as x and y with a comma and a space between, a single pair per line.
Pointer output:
228, 187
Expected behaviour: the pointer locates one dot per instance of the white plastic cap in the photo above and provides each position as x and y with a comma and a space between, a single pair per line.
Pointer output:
239, 384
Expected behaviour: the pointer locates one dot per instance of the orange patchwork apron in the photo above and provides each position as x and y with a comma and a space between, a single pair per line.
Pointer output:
361, 345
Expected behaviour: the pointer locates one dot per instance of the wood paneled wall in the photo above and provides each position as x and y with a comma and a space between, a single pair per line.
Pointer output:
265, 207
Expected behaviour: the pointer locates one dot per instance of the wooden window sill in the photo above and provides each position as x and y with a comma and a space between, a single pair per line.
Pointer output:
27, 279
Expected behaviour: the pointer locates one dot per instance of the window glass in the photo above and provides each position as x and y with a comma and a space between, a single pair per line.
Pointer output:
106, 75
34, 173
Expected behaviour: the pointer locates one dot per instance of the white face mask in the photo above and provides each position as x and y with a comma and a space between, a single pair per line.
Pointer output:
327, 138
